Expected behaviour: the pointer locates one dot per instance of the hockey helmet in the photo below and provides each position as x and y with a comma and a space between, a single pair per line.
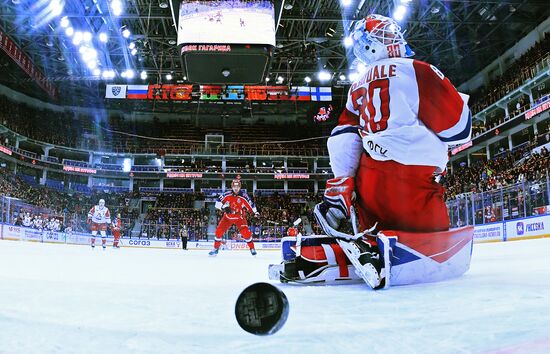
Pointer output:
378, 37
236, 184
101, 203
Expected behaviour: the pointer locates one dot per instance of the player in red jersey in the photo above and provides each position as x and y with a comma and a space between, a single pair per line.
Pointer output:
116, 227
234, 203
391, 140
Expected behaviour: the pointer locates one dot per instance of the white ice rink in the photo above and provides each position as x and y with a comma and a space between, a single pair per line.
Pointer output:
71, 299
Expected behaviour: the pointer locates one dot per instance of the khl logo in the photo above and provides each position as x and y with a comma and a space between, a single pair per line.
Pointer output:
519, 228
116, 90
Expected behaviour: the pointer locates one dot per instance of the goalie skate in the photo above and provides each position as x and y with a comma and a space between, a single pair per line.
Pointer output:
372, 266
286, 272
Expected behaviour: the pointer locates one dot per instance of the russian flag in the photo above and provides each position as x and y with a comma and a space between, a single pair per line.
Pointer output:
137, 92
300, 93
321, 94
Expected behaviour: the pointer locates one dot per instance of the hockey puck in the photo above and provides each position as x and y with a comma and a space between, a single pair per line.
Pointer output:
261, 309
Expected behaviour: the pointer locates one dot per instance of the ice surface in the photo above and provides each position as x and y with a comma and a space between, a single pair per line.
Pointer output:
72, 299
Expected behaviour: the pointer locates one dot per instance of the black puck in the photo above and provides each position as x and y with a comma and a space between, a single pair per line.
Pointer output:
261, 309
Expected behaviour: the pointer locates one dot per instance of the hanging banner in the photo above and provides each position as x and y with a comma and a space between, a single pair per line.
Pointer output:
115, 91
25, 63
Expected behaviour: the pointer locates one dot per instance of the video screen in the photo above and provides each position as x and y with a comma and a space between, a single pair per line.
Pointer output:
227, 22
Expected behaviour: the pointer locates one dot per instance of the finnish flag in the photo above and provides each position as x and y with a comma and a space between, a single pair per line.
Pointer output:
321, 94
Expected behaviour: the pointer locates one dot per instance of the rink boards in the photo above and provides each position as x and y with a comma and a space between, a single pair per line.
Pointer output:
526, 228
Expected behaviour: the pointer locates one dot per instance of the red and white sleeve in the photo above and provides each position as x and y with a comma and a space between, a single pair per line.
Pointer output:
344, 144
441, 107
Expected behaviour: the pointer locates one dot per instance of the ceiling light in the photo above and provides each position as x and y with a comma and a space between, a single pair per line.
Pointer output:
116, 7
77, 38
126, 33
348, 42
87, 36
97, 72
163, 5
288, 6
280, 79
342, 77
172, 42
69, 31
134, 51
132, 45
65, 22
168, 77
103, 37
129, 74
353, 76
92, 64
324, 75
143, 75
307, 79
346, 2
399, 13
267, 79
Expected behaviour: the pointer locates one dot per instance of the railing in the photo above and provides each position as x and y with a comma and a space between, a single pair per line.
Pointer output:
517, 201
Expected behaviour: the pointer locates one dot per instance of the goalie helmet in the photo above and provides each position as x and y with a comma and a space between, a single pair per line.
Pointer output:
378, 37
101, 203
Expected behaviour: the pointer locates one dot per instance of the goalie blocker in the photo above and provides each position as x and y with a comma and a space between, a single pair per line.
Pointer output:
413, 258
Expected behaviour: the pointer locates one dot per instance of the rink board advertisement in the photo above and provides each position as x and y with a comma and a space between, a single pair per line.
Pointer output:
489, 232
528, 228
533, 227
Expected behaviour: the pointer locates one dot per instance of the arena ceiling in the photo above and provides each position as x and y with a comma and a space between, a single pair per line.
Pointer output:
459, 36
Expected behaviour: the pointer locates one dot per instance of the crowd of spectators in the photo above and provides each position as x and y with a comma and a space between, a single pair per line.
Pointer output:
512, 167
72, 208
174, 212
521, 70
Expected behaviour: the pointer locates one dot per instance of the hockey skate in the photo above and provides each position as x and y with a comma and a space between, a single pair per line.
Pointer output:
372, 263
214, 252
253, 251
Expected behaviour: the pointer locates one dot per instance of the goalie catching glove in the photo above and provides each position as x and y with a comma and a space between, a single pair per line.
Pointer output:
337, 208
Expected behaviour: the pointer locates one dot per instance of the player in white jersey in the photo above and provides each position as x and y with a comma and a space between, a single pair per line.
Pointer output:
99, 218
27, 220
392, 139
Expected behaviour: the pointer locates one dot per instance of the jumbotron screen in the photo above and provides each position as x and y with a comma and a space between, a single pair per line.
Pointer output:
227, 22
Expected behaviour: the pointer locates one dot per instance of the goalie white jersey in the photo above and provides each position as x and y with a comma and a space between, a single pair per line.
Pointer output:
100, 215
410, 113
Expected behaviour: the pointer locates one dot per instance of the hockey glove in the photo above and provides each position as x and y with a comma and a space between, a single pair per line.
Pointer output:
337, 208
226, 208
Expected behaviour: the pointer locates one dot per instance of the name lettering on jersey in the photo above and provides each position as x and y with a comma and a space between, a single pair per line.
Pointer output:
376, 72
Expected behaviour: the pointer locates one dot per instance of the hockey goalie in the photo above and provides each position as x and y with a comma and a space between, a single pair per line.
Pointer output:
384, 215
99, 218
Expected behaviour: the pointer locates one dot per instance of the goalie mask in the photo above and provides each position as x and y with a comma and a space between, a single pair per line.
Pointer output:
378, 37
101, 203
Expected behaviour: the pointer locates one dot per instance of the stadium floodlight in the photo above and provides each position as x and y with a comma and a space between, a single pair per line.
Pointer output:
267, 79
87, 36
69, 31
97, 72
103, 37
348, 42
168, 77
342, 77
143, 75
116, 7
324, 75
126, 165
307, 79
399, 13
65, 22
280, 79
108, 74
126, 33
134, 51
92, 64
130, 74
77, 38
56, 7
132, 45
185, 77
346, 2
